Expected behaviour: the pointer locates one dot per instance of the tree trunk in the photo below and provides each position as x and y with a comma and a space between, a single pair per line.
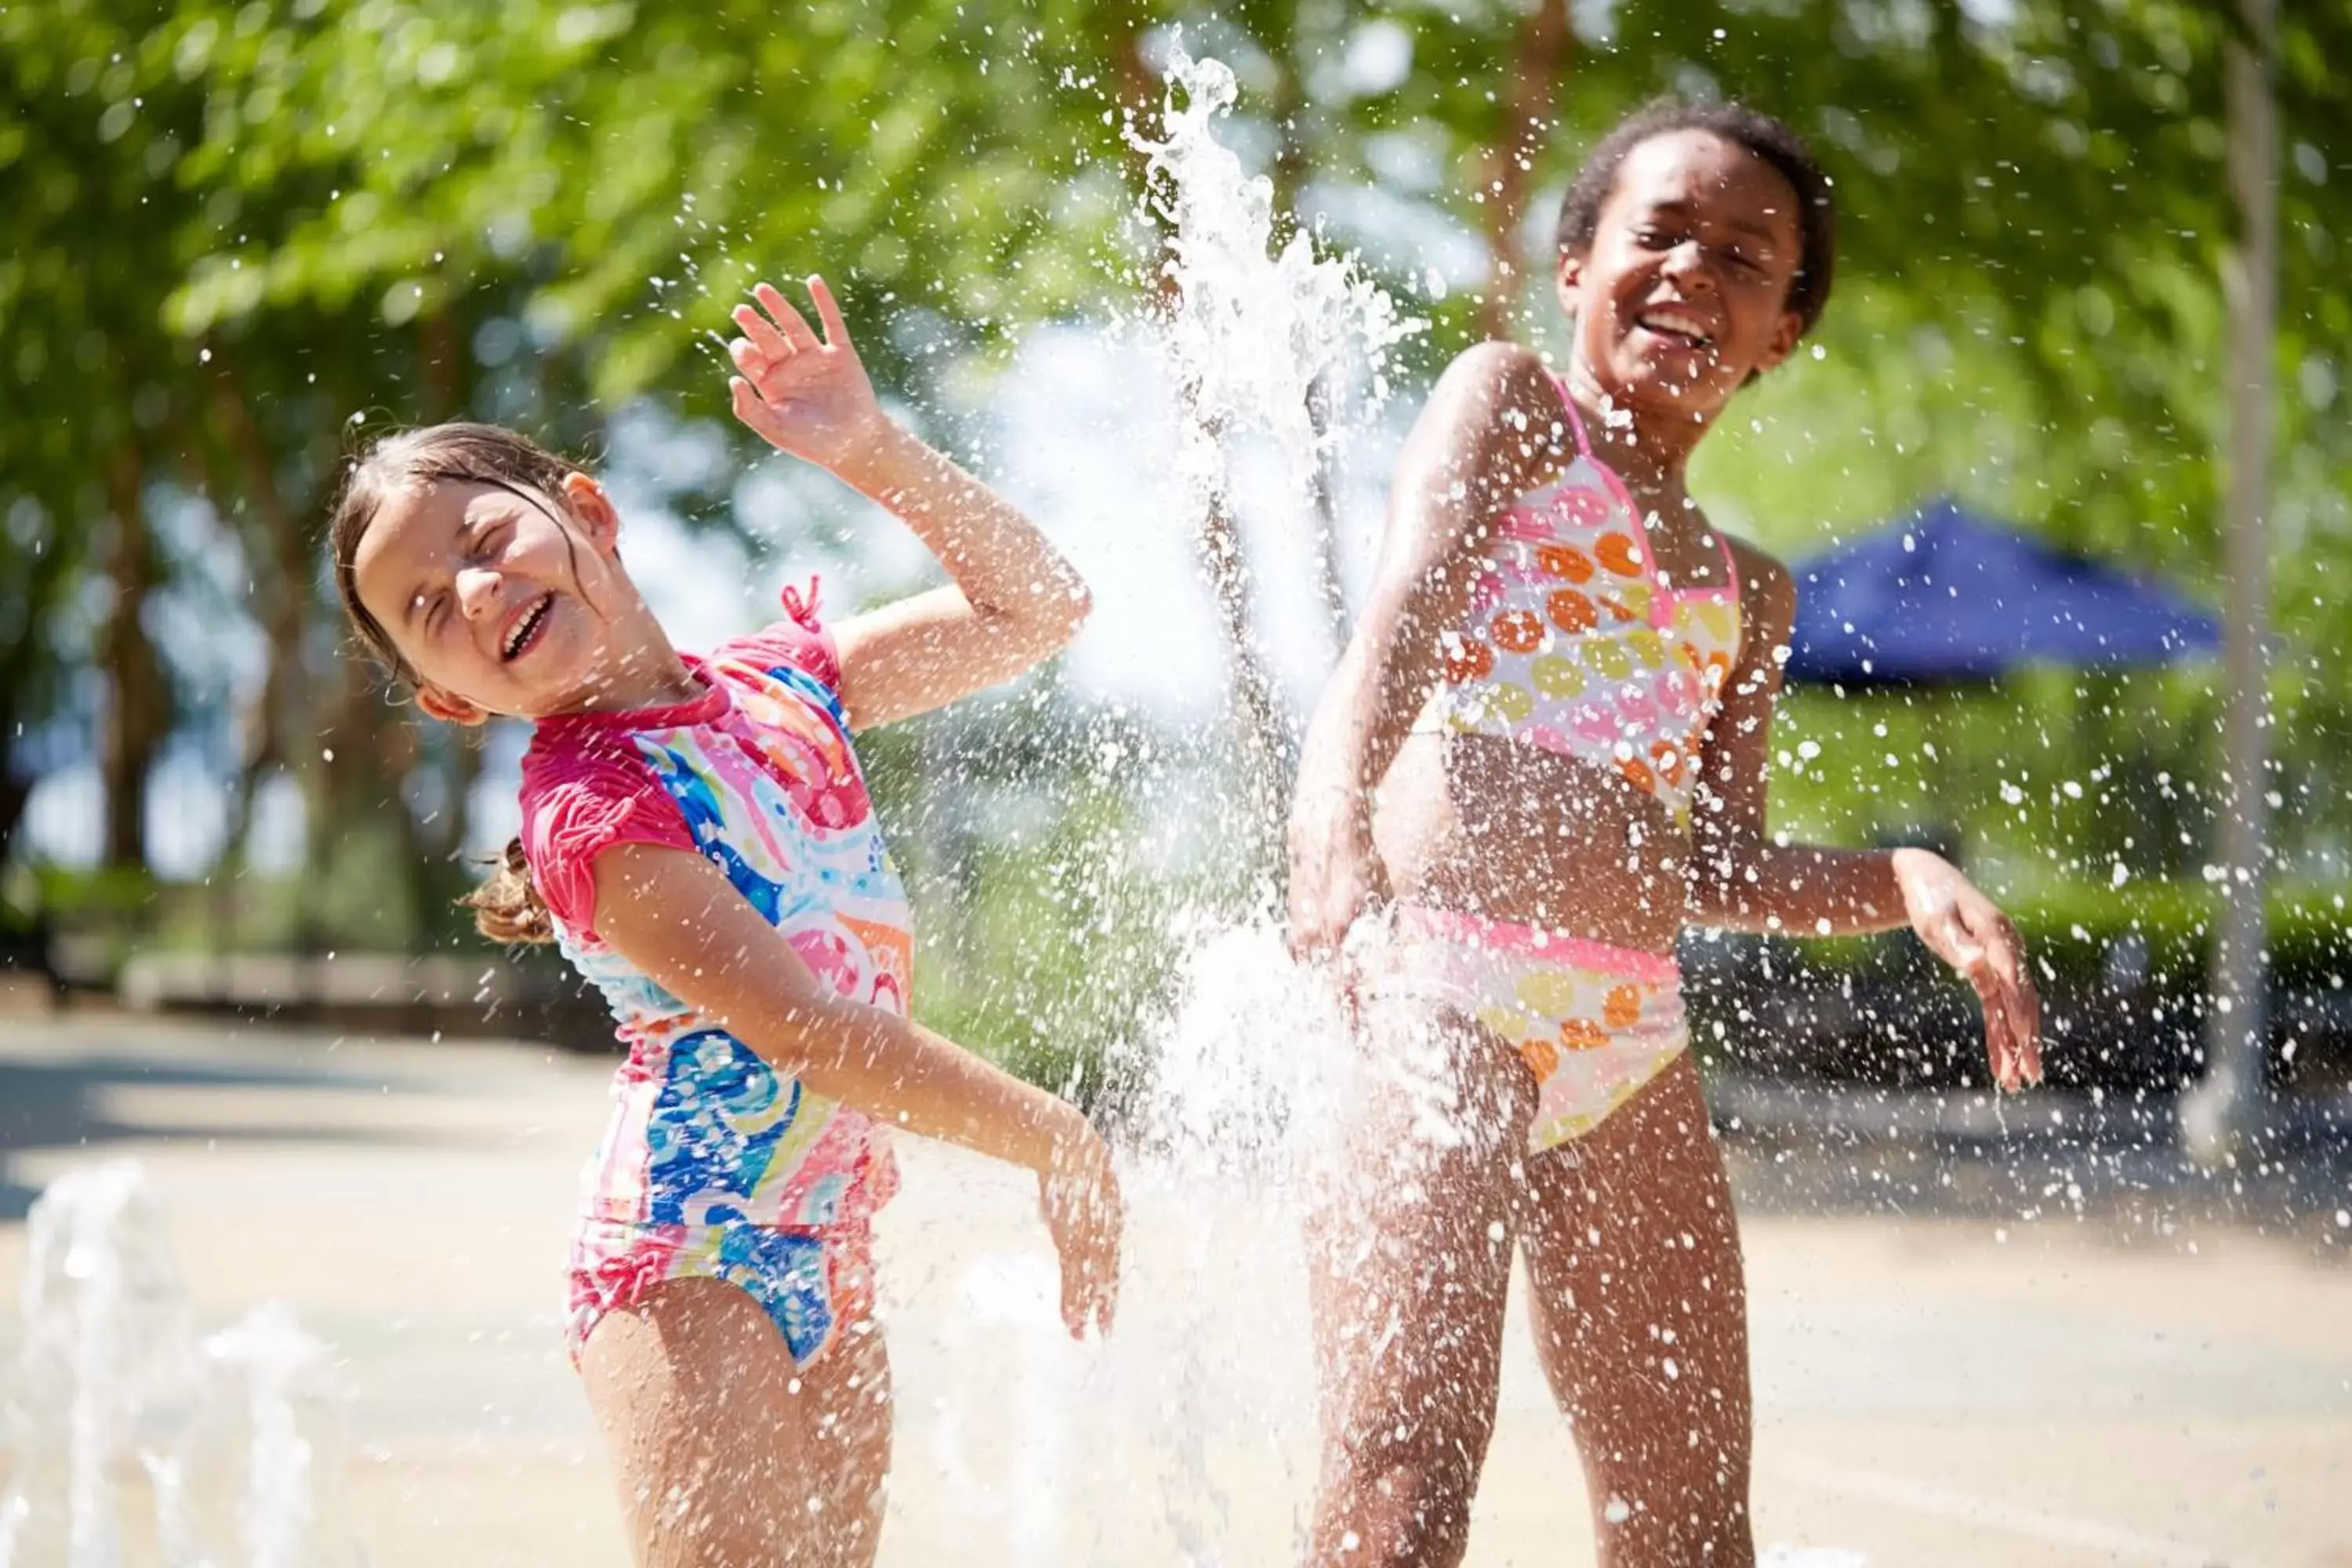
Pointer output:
463, 767
23, 659
277, 579
441, 360
1536, 73
366, 749
1139, 89
1260, 734
1324, 494
138, 707
2227, 1106
1292, 163
1262, 738
13, 795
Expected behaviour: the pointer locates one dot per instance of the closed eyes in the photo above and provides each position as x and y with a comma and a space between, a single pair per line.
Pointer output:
485, 539
1653, 238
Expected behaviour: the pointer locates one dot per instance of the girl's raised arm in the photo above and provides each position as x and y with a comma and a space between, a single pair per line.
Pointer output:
1492, 417
1016, 600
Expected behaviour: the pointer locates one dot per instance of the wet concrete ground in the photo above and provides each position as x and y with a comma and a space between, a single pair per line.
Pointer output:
1958, 1360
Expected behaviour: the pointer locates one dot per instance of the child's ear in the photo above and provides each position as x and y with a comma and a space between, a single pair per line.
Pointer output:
589, 503
1786, 332
450, 708
1568, 278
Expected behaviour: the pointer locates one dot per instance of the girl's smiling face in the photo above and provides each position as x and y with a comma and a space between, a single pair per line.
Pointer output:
1683, 292
493, 596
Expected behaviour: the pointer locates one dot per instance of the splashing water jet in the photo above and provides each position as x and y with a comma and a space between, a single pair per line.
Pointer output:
1273, 349
107, 1334
1253, 327
1269, 346
1192, 1424
237, 1438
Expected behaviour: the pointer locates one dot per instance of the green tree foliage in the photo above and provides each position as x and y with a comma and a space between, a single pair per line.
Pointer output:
246, 228
235, 230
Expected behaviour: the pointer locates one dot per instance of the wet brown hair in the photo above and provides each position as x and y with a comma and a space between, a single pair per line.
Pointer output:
1759, 135
507, 906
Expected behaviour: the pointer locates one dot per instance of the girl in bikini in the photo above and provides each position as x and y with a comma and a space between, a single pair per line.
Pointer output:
698, 840
1543, 754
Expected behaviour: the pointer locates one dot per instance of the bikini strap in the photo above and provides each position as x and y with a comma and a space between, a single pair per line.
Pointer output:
1584, 450
1575, 420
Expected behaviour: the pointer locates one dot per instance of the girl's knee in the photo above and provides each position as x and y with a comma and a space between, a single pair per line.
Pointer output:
706, 1524
1406, 1460
1668, 1521
1403, 1500
1670, 1485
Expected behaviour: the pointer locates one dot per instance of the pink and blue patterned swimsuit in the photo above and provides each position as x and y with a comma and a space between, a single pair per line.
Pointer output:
714, 1164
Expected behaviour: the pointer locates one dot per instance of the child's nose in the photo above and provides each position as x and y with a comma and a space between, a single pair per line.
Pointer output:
1688, 260
478, 591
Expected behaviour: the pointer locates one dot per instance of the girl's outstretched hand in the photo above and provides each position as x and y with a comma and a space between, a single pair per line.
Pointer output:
802, 393
1961, 927
1080, 1195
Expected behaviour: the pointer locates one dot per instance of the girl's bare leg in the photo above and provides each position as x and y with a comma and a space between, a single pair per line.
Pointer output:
1410, 1252
1640, 1307
727, 1456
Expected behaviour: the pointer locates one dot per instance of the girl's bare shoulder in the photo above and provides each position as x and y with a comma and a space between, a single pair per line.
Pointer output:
1506, 377
1498, 405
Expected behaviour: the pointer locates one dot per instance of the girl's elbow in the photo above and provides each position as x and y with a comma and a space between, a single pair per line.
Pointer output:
802, 1039
1072, 609
1055, 621
822, 1065
838, 1048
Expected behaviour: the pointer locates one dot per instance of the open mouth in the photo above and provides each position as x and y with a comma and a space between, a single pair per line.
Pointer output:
1676, 327
524, 634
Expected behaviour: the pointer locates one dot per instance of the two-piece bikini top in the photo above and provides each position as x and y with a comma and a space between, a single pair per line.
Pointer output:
1575, 642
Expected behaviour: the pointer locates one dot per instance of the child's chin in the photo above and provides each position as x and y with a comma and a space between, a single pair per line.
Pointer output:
1684, 388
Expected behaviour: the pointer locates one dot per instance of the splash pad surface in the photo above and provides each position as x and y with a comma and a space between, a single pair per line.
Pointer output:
1941, 1388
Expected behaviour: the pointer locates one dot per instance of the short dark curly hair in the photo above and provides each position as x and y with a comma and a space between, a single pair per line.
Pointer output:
1767, 137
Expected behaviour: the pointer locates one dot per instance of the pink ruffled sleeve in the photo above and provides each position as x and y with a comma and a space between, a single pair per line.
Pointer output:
577, 804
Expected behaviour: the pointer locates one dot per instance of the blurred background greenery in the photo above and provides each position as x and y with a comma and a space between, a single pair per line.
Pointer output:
241, 236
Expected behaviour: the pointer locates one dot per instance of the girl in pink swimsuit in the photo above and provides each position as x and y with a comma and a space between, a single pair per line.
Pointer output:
1544, 752
698, 840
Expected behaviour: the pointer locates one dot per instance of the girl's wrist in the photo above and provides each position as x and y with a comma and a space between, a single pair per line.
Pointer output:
1332, 800
1924, 883
1912, 855
1347, 835
883, 459
1069, 1137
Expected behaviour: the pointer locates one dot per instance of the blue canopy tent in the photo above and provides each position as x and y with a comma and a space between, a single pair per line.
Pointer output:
1946, 601
1947, 598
